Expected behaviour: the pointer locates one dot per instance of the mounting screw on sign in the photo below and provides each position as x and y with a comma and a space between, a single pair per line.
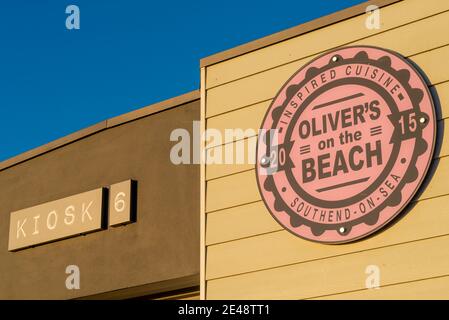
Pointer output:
355, 135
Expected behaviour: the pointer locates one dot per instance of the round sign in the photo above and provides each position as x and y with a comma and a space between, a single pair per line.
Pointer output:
345, 144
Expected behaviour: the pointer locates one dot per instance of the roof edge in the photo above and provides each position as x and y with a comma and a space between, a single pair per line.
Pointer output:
103, 125
306, 27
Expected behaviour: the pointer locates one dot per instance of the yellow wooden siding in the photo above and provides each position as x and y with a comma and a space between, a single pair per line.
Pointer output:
231, 191
263, 86
398, 263
183, 294
426, 289
309, 44
246, 147
241, 188
249, 255
282, 248
245, 118
239, 222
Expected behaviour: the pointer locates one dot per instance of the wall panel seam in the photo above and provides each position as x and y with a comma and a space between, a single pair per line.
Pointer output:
385, 286
435, 158
280, 229
327, 257
247, 237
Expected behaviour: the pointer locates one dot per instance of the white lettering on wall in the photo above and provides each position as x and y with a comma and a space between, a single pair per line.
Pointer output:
85, 211
50, 225
20, 228
69, 215
36, 230
119, 203
59, 219
180, 153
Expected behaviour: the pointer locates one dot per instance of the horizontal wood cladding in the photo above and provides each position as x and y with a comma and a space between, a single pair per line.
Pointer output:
249, 255
423, 289
343, 33
425, 220
242, 221
398, 263
263, 86
241, 188
239, 222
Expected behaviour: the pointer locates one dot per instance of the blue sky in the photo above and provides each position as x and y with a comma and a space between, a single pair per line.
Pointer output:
126, 55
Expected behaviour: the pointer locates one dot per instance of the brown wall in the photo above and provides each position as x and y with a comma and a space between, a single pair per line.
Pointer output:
159, 250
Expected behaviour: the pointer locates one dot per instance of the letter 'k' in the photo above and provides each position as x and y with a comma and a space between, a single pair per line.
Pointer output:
20, 228
85, 211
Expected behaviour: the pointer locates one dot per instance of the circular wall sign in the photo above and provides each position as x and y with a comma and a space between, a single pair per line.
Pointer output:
345, 144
